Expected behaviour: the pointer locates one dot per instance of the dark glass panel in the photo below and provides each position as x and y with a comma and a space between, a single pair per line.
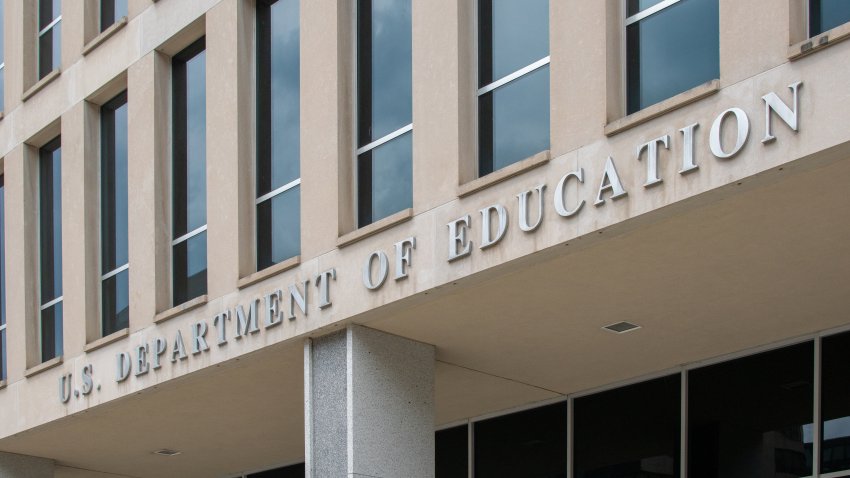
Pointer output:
116, 305
385, 179
2, 41
111, 11
672, 51
512, 34
48, 10
48, 50
279, 228
637, 6
827, 14
113, 177
452, 452
835, 403
293, 471
190, 268
2, 250
278, 95
621, 434
532, 443
752, 416
50, 221
51, 332
514, 121
384, 68
189, 154
3, 354
2, 88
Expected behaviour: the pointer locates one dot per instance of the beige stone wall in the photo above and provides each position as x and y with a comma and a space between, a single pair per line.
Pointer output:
585, 98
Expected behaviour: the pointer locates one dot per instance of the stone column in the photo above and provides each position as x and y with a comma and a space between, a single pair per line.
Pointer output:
22, 466
369, 405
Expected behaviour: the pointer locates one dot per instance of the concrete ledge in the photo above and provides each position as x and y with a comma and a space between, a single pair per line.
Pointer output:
40, 84
43, 366
670, 104
104, 35
268, 272
179, 309
2, 384
104, 341
500, 175
819, 42
374, 228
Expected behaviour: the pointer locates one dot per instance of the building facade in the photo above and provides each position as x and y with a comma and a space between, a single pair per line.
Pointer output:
409, 238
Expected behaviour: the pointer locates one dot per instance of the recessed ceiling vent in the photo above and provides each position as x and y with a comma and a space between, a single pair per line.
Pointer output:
166, 452
621, 327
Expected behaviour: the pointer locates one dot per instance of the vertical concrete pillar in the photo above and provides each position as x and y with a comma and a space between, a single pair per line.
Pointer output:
369, 405
22, 466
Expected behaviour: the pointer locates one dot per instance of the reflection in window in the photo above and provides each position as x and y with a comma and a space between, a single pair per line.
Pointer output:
513, 81
2, 56
753, 416
529, 443
292, 471
278, 129
2, 278
621, 434
671, 47
827, 14
835, 402
50, 241
384, 109
111, 11
189, 220
452, 452
49, 36
115, 312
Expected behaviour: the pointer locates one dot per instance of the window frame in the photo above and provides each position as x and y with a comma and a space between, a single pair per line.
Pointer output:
180, 137
362, 193
56, 20
505, 80
49, 147
116, 102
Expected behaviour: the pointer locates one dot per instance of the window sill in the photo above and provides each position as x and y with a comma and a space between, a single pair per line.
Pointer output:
104, 341
374, 228
268, 272
40, 84
670, 104
104, 35
43, 366
500, 175
2, 384
819, 42
179, 309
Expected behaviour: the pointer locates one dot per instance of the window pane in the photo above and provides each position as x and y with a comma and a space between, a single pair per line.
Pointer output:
190, 268
190, 182
116, 311
2, 88
532, 443
113, 174
3, 354
512, 35
2, 251
278, 228
51, 332
278, 99
50, 221
827, 14
48, 51
293, 471
384, 68
2, 27
385, 179
513, 121
835, 402
452, 452
672, 51
752, 416
111, 11
637, 6
621, 434
48, 10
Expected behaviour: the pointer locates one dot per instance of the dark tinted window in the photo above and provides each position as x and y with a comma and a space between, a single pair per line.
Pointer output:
532, 443
672, 51
49, 36
278, 132
50, 240
623, 434
2, 56
111, 11
2, 278
512, 34
113, 204
827, 14
452, 452
835, 403
752, 416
